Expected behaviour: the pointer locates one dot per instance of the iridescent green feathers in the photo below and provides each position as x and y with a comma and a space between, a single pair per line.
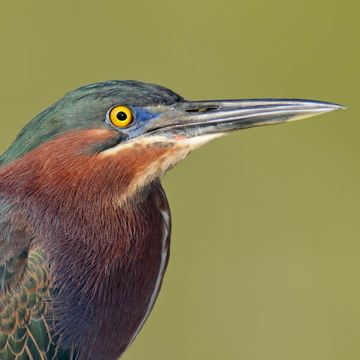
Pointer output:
24, 332
25, 292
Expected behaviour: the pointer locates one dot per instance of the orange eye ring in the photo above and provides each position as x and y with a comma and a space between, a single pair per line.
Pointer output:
121, 116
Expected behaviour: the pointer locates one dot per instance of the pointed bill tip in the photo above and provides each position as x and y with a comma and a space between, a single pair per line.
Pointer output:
307, 109
331, 106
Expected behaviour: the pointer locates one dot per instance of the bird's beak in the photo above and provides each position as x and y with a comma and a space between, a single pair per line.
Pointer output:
196, 118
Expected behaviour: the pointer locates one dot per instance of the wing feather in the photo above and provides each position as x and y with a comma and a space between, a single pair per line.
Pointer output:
15, 241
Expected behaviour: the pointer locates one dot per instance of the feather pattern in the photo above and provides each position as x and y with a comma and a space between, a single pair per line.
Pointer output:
99, 261
24, 326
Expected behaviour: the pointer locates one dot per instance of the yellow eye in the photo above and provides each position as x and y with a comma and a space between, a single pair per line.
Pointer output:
121, 116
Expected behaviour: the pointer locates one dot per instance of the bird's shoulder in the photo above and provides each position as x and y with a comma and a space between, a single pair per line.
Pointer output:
15, 241
25, 291
24, 325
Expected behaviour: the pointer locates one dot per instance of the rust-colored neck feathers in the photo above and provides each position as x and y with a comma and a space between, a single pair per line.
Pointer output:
107, 244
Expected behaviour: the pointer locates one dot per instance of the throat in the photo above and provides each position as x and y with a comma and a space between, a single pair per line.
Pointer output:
106, 257
107, 271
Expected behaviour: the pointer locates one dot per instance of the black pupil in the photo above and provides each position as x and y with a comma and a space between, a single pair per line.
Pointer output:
121, 116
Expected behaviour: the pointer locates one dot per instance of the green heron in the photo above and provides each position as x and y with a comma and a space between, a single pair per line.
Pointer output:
84, 222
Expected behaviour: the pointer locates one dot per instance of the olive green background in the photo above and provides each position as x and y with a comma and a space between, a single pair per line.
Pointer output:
265, 248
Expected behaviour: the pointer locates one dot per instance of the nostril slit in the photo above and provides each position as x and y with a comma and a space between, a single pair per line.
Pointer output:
203, 109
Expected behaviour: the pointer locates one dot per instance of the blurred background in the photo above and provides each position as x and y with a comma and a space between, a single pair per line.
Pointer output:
265, 248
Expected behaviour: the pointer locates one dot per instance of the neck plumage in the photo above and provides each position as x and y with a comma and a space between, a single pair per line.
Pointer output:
108, 268
106, 257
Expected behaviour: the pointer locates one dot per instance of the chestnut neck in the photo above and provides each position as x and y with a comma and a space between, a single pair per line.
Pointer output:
104, 257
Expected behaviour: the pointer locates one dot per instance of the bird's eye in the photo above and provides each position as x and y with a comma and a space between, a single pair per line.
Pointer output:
121, 116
